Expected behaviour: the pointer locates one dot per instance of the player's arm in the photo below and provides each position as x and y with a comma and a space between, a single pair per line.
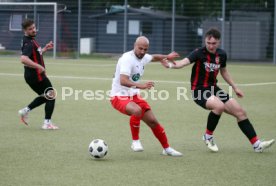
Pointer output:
48, 46
227, 77
29, 63
124, 80
158, 57
176, 64
192, 57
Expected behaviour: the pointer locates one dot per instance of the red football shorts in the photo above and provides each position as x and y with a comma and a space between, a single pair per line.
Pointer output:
120, 103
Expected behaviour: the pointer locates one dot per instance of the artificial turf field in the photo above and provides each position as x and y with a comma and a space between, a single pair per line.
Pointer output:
31, 156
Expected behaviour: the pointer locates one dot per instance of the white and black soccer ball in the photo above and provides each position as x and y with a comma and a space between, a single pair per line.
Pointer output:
98, 148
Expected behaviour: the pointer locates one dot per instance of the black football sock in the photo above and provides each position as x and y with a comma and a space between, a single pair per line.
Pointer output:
212, 123
37, 102
247, 128
49, 109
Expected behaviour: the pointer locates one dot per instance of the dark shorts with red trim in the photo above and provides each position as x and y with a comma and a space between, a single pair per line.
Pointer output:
40, 87
201, 95
120, 103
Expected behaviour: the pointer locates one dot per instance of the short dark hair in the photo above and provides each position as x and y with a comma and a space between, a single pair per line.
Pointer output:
213, 32
26, 23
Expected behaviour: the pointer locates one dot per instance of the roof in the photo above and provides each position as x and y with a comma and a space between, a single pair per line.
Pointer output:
30, 8
141, 11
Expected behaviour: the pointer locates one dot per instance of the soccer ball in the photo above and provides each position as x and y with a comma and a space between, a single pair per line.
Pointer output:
98, 148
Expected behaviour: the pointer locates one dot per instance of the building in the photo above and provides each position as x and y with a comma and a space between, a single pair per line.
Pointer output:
107, 29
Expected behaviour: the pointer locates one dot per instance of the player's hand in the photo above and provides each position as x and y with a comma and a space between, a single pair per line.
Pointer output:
239, 93
49, 45
172, 55
147, 85
167, 64
41, 69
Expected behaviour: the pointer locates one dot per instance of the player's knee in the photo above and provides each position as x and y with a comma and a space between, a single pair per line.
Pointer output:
50, 95
152, 122
137, 111
219, 108
240, 113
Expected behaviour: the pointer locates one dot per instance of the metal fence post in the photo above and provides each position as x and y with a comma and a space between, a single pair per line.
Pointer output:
55, 32
274, 40
35, 13
173, 25
79, 27
223, 25
125, 27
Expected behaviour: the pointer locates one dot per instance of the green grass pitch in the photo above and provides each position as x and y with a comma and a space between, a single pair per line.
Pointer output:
30, 156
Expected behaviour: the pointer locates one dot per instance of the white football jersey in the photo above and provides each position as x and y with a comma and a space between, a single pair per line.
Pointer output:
129, 65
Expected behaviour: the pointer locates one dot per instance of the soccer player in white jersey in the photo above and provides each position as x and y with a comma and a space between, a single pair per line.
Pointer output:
125, 93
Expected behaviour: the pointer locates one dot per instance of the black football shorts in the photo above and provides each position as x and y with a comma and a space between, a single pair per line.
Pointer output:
201, 95
41, 87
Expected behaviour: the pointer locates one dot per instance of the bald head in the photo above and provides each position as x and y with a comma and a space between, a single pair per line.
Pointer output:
142, 40
141, 46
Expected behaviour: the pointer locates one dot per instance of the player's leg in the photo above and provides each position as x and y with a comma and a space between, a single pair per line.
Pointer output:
50, 96
134, 124
206, 99
135, 113
126, 106
23, 113
156, 128
216, 106
215, 103
133, 109
135, 120
233, 108
159, 133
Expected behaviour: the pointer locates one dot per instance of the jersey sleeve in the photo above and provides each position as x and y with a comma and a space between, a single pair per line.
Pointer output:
223, 60
147, 59
125, 66
27, 49
193, 56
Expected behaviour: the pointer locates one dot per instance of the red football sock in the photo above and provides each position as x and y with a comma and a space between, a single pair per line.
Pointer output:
160, 134
134, 123
209, 132
254, 139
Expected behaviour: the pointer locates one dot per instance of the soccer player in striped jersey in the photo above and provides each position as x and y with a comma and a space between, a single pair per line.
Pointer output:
125, 94
35, 76
210, 60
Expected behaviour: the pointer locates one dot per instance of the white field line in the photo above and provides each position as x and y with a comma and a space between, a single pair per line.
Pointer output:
115, 63
70, 64
81, 64
157, 81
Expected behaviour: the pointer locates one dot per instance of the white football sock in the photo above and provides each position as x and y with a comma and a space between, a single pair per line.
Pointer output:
256, 144
208, 136
169, 149
47, 121
27, 109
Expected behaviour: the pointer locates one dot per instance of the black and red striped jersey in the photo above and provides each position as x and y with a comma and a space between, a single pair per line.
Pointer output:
206, 67
32, 49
